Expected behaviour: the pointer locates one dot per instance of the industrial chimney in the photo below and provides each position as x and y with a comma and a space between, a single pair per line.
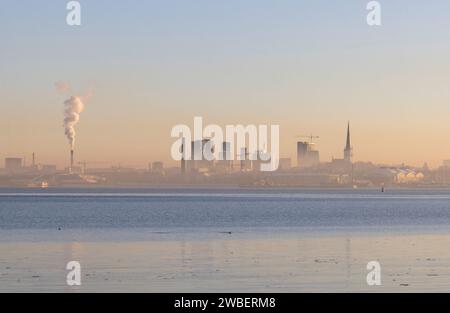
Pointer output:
71, 161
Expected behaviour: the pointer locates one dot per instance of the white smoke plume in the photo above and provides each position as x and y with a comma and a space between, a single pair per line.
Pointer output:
72, 110
62, 86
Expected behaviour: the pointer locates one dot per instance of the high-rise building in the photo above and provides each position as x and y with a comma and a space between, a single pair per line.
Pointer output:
202, 155
348, 151
302, 148
307, 154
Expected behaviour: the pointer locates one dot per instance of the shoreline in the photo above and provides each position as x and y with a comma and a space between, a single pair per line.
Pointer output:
137, 187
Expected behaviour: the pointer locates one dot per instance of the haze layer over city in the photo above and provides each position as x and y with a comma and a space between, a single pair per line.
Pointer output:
306, 170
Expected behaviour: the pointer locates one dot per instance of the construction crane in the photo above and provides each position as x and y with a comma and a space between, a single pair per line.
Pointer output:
311, 137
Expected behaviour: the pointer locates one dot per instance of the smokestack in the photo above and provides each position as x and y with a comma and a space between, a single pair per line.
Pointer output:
183, 161
34, 160
71, 162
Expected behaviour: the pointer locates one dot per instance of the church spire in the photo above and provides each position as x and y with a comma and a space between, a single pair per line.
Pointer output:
348, 151
348, 146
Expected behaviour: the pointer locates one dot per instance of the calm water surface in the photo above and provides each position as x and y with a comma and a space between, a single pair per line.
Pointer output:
229, 240
171, 209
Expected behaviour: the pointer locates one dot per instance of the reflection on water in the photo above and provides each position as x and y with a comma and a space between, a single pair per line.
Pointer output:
225, 241
334, 263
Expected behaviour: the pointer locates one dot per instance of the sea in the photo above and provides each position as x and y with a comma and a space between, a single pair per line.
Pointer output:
201, 211
224, 239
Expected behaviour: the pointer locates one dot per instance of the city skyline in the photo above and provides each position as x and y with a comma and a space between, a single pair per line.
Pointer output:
308, 68
145, 161
195, 167
307, 156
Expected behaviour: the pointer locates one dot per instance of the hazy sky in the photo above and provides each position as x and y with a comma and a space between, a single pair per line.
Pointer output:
307, 65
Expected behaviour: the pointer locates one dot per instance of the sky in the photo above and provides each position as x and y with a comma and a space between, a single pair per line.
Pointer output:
309, 66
